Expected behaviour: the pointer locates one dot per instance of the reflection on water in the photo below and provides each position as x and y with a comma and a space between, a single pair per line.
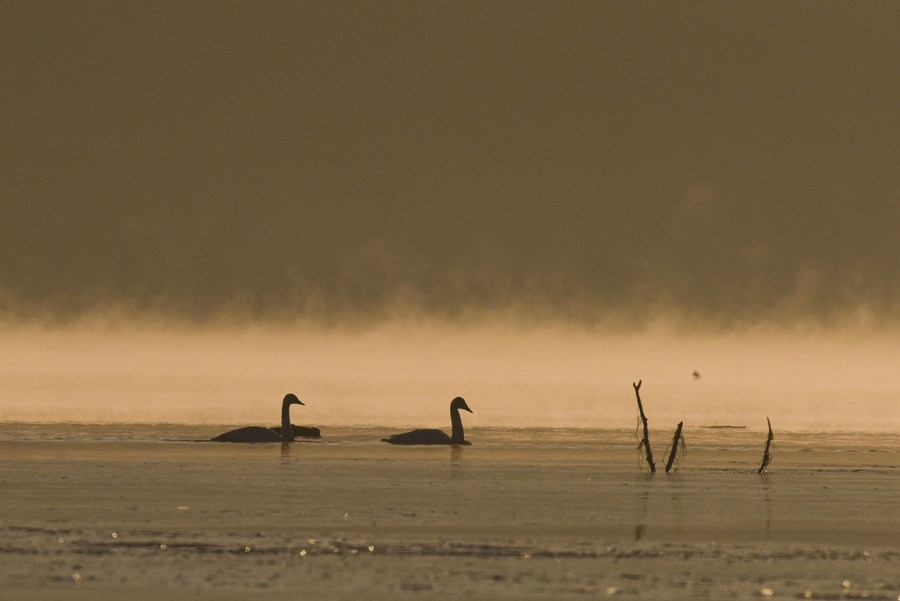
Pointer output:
709, 447
519, 511
641, 515
767, 504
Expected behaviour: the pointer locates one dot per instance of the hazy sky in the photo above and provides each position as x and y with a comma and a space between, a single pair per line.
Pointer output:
731, 161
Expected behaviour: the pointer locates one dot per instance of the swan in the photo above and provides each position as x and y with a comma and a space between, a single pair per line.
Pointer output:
260, 434
305, 431
429, 436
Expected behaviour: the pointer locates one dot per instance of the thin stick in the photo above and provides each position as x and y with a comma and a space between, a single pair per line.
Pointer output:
645, 443
678, 438
767, 454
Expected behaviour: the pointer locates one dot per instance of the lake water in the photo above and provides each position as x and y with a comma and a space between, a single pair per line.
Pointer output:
110, 511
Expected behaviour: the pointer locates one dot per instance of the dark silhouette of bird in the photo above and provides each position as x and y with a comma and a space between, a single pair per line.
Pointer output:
261, 434
434, 437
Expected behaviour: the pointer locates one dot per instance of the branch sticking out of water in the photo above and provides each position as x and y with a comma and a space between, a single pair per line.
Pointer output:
767, 454
677, 445
645, 443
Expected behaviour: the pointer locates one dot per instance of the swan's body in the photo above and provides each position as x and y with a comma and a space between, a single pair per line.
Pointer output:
305, 431
430, 436
260, 434
424, 436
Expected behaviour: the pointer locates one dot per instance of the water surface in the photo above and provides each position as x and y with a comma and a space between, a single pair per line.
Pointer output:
102, 510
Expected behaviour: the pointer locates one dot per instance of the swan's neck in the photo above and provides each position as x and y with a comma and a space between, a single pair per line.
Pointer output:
287, 432
457, 436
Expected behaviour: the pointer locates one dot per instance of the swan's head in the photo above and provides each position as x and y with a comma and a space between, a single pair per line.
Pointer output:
291, 399
460, 403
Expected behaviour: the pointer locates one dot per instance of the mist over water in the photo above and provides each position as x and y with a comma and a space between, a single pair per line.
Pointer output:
380, 207
406, 374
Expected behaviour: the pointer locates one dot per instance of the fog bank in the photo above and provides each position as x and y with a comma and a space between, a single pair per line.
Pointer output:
406, 374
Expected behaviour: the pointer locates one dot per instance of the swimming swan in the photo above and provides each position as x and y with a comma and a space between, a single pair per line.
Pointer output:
260, 434
305, 431
429, 436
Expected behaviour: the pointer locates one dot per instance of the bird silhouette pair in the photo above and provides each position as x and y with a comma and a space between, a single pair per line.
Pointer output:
287, 432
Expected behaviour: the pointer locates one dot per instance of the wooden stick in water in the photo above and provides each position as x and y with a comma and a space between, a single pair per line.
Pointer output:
675, 441
645, 443
767, 454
